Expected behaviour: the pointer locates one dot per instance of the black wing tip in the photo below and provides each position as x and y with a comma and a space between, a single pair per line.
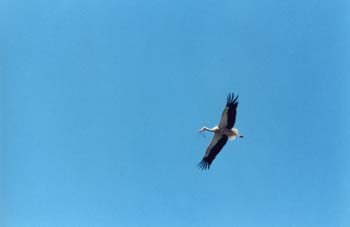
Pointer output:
204, 165
231, 99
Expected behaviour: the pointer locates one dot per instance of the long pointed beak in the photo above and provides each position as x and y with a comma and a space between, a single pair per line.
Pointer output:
201, 130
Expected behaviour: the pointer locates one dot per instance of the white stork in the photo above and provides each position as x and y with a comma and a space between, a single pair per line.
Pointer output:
222, 132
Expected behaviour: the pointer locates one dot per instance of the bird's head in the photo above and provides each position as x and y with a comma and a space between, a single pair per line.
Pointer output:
202, 129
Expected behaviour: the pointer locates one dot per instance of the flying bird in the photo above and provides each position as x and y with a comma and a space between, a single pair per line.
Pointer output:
222, 132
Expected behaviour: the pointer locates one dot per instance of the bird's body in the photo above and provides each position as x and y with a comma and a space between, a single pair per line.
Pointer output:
230, 133
222, 132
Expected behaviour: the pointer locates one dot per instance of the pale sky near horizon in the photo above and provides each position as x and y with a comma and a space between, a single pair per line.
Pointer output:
101, 102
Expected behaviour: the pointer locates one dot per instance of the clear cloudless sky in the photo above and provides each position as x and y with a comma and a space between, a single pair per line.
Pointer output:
101, 102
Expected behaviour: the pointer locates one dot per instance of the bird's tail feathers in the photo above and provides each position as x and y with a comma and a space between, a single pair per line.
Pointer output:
232, 137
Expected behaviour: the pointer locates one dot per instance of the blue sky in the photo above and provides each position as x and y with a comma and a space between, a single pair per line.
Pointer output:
101, 102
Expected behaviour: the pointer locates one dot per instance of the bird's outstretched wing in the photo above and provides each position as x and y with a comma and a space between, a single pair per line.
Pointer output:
215, 146
228, 116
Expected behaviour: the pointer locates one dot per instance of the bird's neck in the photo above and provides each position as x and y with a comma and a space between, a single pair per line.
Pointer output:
211, 129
